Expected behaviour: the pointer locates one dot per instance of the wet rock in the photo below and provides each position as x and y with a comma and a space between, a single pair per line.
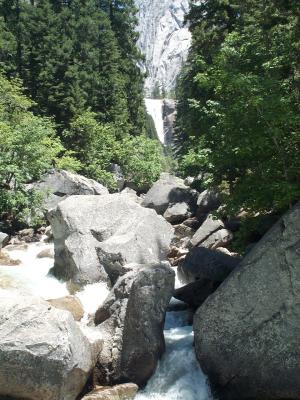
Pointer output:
43, 354
69, 303
46, 253
5, 259
95, 236
18, 246
126, 391
195, 293
247, 333
132, 320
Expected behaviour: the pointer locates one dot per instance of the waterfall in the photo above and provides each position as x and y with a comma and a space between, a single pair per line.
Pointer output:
155, 110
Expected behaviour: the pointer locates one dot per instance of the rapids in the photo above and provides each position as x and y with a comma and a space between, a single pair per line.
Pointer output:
178, 376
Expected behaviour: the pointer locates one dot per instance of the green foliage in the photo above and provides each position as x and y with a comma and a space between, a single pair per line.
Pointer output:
28, 147
96, 145
142, 160
239, 101
73, 56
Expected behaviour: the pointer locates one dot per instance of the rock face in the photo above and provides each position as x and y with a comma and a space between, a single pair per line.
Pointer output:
132, 320
164, 40
171, 196
43, 354
247, 333
94, 236
57, 185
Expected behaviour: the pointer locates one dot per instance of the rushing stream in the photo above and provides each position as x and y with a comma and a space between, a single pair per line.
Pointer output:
178, 376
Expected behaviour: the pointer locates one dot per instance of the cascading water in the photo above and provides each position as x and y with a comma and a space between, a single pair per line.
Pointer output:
32, 276
178, 376
154, 108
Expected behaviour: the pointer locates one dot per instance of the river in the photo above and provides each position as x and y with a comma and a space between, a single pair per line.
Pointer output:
178, 376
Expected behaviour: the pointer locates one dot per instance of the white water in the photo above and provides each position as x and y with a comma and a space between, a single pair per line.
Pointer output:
155, 109
32, 277
178, 376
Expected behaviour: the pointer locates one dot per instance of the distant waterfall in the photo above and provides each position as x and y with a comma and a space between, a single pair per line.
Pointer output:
155, 110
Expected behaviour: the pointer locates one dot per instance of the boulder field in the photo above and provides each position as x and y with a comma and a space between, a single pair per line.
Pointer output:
247, 332
246, 311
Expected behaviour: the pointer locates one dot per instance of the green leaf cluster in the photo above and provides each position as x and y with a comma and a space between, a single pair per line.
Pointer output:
239, 101
28, 147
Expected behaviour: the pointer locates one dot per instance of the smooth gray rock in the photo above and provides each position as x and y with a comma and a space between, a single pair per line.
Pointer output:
205, 264
177, 213
94, 236
209, 226
57, 185
208, 201
221, 238
168, 191
4, 239
132, 320
43, 353
247, 333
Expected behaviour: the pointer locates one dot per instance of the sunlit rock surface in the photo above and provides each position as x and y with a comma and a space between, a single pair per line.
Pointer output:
164, 40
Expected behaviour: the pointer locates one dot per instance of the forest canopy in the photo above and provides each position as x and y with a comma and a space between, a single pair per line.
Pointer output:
71, 96
239, 102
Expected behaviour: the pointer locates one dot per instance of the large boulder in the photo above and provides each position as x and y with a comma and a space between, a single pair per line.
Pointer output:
205, 264
247, 333
132, 320
43, 353
57, 185
94, 236
166, 193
